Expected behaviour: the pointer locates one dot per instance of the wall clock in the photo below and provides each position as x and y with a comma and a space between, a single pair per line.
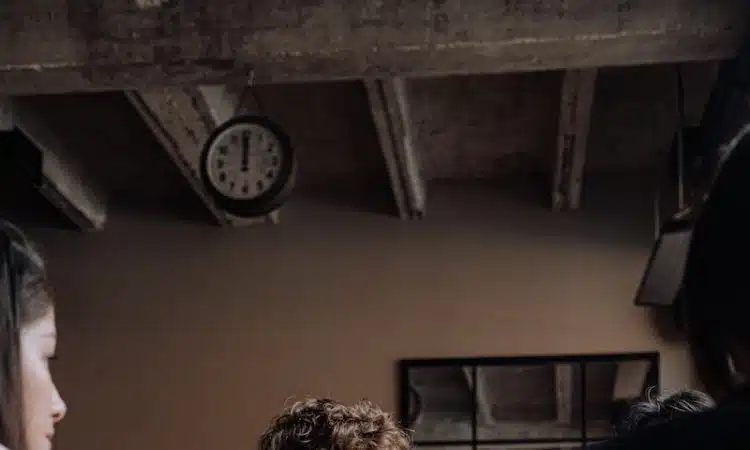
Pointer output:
248, 166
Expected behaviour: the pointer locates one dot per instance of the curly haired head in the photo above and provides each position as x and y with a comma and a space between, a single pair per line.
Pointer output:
655, 411
321, 423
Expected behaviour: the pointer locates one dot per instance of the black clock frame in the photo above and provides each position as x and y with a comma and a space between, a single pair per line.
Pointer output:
281, 188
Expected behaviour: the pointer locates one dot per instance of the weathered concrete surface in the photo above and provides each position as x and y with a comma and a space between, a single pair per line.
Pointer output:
63, 46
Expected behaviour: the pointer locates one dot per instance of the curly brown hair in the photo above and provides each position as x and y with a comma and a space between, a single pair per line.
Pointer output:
322, 423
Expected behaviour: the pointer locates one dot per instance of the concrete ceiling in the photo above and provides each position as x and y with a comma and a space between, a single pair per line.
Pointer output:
474, 102
55, 46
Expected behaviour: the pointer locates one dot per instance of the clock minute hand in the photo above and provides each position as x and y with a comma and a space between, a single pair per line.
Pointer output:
245, 152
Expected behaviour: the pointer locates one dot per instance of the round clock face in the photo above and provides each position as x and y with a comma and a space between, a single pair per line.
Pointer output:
244, 161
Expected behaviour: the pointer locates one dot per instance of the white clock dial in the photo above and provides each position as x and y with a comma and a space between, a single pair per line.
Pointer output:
244, 161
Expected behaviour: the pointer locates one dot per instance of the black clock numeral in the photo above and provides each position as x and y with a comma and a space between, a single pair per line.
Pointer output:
259, 185
269, 174
275, 161
222, 176
220, 163
245, 188
234, 139
223, 149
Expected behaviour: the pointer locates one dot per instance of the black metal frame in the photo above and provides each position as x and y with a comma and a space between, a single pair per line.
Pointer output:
405, 390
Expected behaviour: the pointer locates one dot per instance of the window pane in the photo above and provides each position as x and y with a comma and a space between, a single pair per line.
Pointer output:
540, 401
440, 407
609, 386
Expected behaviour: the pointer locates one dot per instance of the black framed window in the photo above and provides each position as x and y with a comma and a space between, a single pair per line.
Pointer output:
555, 402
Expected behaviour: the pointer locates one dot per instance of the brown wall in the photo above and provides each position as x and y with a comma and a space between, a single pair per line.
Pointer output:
179, 336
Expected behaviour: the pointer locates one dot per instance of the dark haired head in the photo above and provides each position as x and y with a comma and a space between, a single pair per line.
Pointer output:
24, 298
317, 424
655, 411
716, 286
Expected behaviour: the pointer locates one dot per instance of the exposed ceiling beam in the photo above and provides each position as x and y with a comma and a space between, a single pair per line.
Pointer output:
6, 115
389, 104
564, 393
630, 379
181, 119
178, 126
135, 45
222, 102
482, 393
58, 178
576, 101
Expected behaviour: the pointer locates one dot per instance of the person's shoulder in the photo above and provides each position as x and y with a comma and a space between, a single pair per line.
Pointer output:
724, 428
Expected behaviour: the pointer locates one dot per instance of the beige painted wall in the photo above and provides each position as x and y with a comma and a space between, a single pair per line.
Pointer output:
177, 336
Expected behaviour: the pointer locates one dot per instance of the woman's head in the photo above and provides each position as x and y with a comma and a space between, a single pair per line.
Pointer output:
30, 404
658, 410
717, 282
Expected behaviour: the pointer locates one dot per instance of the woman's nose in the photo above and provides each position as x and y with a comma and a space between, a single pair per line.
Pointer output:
59, 408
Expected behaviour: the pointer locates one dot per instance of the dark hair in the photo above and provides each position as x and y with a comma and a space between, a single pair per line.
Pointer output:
716, 287
316, 424
655, 411
24, 298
